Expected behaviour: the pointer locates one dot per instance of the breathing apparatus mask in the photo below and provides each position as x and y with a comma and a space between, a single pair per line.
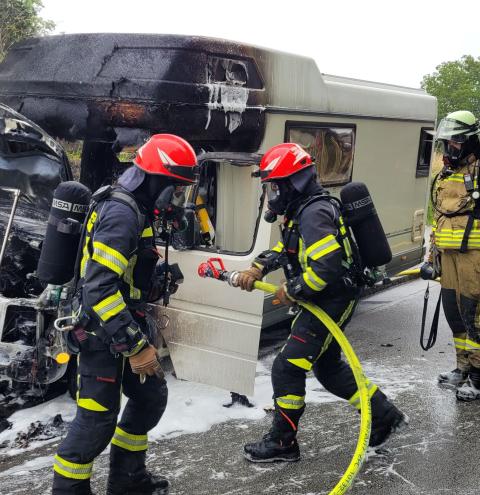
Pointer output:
279, 195
459, 140
171, 205
282, 193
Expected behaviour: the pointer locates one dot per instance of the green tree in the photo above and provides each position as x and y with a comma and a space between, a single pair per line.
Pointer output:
456, 85
20, 19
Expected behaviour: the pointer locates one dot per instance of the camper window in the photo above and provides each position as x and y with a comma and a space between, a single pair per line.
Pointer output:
331, 146
424, 152
228, 205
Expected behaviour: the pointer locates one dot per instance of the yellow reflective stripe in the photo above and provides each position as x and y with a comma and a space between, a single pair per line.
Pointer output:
445, 231
471, 345
301, 363
454, 179
91, 221
128, 277
291, 401
456, 245
72, 470
325, 345
110, 306
355, 399
328, 248
346, 313
279, 247
322, 242
302, 255
148, 232
127, 441
296, 318
345, 240
91, 405
460, 343
136, 349
258, 265
458, 178
328, 340
457, 233
452, 238
348, 249
313, 280
109, 257
85, 257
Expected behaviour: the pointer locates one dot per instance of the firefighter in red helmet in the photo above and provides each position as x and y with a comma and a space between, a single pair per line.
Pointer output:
316, 256
114, 276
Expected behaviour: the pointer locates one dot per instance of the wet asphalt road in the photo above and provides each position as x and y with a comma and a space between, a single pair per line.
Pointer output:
436, 455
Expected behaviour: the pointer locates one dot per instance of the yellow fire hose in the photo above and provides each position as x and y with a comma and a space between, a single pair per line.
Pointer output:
366, 413
411, 271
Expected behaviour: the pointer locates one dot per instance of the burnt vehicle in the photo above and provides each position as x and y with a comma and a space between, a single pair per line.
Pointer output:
32, 165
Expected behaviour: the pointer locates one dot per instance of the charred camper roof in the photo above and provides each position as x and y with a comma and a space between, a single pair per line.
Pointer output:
122, 86
89, 86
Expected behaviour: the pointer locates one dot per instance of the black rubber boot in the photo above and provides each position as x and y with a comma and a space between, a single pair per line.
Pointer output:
386, 419
146, 484
69, 486
128, 475
272, 449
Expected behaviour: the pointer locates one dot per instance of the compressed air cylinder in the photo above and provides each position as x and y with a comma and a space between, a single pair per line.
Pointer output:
361, 216
206, 228
59, 249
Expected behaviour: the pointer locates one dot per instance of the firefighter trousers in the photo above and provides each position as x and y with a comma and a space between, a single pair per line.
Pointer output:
311, 346
460, 280
102, 378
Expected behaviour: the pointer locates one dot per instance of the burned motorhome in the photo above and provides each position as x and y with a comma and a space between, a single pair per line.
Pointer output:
109, 92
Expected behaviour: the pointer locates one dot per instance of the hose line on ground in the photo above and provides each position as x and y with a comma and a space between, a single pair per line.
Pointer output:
366, 412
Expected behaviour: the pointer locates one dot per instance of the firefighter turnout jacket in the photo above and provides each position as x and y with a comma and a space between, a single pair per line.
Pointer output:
316, 246
117, 262
454, 200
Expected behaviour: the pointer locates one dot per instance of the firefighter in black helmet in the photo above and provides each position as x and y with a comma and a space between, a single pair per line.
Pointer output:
116, 355
315, 253
455, 246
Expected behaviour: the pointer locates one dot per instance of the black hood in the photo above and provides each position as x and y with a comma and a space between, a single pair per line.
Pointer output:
311, 189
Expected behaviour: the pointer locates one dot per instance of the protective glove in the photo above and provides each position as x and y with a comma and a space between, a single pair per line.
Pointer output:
283, 297
146, 362
247, 278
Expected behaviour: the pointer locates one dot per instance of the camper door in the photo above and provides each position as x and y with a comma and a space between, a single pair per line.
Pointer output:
214, 329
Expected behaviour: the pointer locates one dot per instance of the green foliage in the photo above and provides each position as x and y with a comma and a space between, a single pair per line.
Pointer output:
456, 85
20, 19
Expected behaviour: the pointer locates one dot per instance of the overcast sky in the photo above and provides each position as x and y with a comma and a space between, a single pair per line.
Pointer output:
395, 42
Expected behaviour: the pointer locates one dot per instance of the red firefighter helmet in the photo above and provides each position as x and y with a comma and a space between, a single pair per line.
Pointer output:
283, 160
168, 155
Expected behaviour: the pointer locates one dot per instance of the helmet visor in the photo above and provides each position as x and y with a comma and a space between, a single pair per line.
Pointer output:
185, 173
454, 130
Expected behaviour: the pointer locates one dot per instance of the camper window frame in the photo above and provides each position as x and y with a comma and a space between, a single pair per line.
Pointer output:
235, 160
289, 124
422, 170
